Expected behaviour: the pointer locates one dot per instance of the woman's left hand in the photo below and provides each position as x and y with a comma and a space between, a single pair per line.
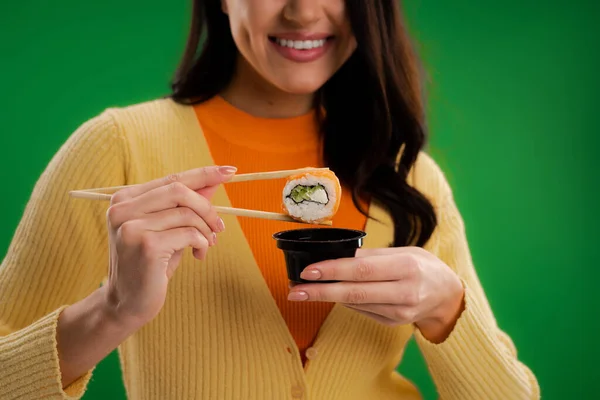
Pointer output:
394, 286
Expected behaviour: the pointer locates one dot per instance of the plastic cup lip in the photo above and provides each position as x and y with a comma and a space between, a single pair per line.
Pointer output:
352, 240
280, 236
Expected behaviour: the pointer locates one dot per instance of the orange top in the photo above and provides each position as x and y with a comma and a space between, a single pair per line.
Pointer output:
259, 144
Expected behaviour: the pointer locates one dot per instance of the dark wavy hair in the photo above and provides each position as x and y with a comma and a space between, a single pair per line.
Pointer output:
373, 124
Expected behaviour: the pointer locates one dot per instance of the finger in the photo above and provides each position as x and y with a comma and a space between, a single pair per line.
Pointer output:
390, 267
376, 317
208, 191
177, 218
349, 292
200, 254
173, 196
364, 252
393, 312
195, 179
168, 242
418, 252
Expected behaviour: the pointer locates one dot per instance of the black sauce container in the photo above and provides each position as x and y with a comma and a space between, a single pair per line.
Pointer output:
303, 247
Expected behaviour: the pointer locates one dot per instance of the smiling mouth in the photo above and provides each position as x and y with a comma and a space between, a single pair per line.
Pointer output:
300, 44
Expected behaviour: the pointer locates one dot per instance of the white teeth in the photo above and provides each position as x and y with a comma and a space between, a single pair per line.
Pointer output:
300, 44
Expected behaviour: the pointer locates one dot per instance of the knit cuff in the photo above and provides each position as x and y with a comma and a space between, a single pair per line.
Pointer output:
30, 362
472, 363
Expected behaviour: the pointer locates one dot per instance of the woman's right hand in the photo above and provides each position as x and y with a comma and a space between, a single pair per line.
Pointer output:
150, 225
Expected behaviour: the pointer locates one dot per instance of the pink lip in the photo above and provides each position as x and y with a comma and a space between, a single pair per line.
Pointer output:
304, 55
301, 36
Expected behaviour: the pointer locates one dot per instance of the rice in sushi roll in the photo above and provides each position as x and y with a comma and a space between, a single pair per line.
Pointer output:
313, 196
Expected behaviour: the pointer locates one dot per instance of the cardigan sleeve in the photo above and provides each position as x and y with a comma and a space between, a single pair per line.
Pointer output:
58, 256
477, 360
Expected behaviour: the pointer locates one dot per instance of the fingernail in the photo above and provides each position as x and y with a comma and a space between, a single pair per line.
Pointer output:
227, 170
220, 225
298, 296
214, 238
310, 274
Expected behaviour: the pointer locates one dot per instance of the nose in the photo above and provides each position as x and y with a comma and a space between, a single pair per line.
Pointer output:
302, 12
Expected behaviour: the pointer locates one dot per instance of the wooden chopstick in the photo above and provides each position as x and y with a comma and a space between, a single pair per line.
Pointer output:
255, 176
84, 194
240, 212
261, 176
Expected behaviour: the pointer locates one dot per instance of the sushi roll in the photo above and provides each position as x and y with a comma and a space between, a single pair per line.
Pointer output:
312, 197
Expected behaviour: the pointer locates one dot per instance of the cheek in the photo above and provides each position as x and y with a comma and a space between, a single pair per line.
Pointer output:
248, 26
347, 45
345, 50
240, 32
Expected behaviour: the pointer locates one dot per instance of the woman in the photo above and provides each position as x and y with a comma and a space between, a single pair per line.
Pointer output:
276, 85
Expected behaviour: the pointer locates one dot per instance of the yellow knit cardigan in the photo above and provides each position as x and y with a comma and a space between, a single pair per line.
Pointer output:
220, 334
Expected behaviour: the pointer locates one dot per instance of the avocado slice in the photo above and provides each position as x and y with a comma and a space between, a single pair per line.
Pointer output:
314, 193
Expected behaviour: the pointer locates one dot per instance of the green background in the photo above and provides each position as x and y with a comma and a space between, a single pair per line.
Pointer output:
514, 121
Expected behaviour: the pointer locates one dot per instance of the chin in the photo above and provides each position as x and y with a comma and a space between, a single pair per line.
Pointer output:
300, 86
